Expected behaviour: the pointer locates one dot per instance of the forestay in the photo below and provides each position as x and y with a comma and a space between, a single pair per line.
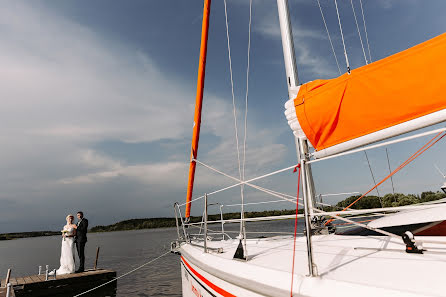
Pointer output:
395, 95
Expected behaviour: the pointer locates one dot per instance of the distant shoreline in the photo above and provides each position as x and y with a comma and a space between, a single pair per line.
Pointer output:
388, 200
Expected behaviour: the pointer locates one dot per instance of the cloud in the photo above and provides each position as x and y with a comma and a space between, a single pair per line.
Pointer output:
306, 42
106, 169
66, 88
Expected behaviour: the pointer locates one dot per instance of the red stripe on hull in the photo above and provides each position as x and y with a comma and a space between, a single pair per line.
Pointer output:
207, 282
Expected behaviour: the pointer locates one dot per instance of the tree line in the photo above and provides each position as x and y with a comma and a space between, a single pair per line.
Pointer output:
367, 202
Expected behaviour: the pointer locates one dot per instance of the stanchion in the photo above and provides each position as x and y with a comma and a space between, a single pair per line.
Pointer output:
96, 261
8, 290
8, 276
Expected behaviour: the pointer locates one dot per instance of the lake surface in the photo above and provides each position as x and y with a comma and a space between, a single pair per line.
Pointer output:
122, 251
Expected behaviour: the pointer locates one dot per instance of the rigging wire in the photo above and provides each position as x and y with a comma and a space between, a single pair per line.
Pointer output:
420, 151
329, 37
365, 29
373, 177
359, 32
342, 35
390, 170
242, 211
268, 191
233, 105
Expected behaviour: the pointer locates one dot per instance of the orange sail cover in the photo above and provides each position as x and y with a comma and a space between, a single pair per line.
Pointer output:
406, 91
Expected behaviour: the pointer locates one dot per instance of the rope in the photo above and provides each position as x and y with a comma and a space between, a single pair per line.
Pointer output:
342, 35
359, 32
121, 276
234, 113
420, 151
295, 233
329, 38
365, 29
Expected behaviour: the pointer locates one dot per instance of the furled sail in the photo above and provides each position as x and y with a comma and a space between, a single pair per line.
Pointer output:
398, 94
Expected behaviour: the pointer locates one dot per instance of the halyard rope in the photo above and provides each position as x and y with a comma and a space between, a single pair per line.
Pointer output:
342, 35
329, 37
242, 210
121, 276
365, 30
234, 110
359, 32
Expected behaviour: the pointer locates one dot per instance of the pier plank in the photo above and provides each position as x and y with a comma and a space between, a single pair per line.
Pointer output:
3, 292
41, 277
35, 278
36, 286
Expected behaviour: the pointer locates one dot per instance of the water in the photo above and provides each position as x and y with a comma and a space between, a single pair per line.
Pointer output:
121, 251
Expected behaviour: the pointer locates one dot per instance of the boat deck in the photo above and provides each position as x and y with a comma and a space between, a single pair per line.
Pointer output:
366, 265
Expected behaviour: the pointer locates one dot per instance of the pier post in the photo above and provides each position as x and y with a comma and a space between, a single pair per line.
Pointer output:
40, 270
8, 276
8, 290
97, 256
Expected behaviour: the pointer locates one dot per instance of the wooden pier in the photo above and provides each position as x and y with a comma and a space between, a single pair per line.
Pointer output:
64, 284
3, 292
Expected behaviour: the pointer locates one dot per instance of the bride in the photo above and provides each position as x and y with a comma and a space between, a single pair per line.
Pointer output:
67, 249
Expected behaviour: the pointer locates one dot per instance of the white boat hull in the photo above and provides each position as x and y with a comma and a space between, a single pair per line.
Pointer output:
347, 266
199, 283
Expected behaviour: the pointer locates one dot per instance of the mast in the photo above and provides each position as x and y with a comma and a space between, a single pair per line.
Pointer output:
198, 104
302, 146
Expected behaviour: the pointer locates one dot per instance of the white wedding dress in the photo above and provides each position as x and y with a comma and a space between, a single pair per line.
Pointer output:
67, 252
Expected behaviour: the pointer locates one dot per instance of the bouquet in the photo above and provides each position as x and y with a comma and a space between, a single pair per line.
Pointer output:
64, 233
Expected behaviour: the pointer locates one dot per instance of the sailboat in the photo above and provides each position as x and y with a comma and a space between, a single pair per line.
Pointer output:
326, 117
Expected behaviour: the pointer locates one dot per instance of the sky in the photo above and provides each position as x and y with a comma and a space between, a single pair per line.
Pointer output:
97, 102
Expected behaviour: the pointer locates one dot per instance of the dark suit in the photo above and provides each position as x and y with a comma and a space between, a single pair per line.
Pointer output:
81, 240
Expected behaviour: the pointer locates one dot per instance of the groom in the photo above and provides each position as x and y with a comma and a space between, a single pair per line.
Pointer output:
81, 239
